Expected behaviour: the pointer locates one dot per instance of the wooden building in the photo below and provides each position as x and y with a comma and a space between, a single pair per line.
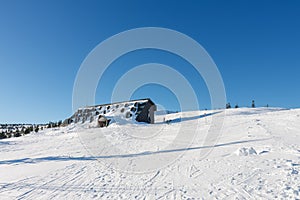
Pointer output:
141, 110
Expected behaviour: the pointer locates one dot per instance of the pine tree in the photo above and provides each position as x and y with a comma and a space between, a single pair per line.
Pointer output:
27, 130
228, 106
36, 129
253, 104
2, 135
17, 134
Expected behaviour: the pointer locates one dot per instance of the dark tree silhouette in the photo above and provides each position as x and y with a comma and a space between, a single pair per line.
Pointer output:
2, 135
228, 106
253, 104
27, 130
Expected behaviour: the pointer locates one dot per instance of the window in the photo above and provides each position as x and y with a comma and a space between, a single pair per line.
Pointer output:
128, 115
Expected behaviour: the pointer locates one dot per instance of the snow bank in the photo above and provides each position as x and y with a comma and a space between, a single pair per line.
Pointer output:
245, 151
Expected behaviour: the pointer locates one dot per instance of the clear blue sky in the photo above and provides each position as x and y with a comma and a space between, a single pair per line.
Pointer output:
255, 45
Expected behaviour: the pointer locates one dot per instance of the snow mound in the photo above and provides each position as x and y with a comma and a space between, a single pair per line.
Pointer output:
246, 151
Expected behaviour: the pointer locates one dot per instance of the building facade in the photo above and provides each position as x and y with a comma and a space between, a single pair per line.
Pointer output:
141, 110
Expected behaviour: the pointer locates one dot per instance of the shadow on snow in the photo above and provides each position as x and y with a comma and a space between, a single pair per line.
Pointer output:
91, 158
183, 119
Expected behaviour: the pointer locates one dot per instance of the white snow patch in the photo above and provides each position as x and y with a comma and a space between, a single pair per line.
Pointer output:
246, 151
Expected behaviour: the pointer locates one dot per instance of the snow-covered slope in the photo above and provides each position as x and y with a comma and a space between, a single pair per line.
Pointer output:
256, 156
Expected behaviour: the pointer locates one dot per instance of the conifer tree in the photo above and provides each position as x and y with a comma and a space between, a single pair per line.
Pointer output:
228, 106
253, 104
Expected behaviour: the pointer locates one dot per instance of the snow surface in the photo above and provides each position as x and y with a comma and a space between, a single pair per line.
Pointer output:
256, 156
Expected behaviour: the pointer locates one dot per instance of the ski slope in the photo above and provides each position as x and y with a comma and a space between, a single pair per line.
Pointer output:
256, 155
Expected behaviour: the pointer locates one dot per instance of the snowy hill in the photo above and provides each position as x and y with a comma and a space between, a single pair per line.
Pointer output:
256, 156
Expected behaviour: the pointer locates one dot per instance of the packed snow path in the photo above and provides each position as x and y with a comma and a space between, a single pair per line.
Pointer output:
257, 156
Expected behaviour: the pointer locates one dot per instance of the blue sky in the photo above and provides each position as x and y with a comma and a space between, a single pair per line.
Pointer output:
255, 45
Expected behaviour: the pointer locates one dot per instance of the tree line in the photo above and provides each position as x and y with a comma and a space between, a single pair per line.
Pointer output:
17, 130
228, 106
